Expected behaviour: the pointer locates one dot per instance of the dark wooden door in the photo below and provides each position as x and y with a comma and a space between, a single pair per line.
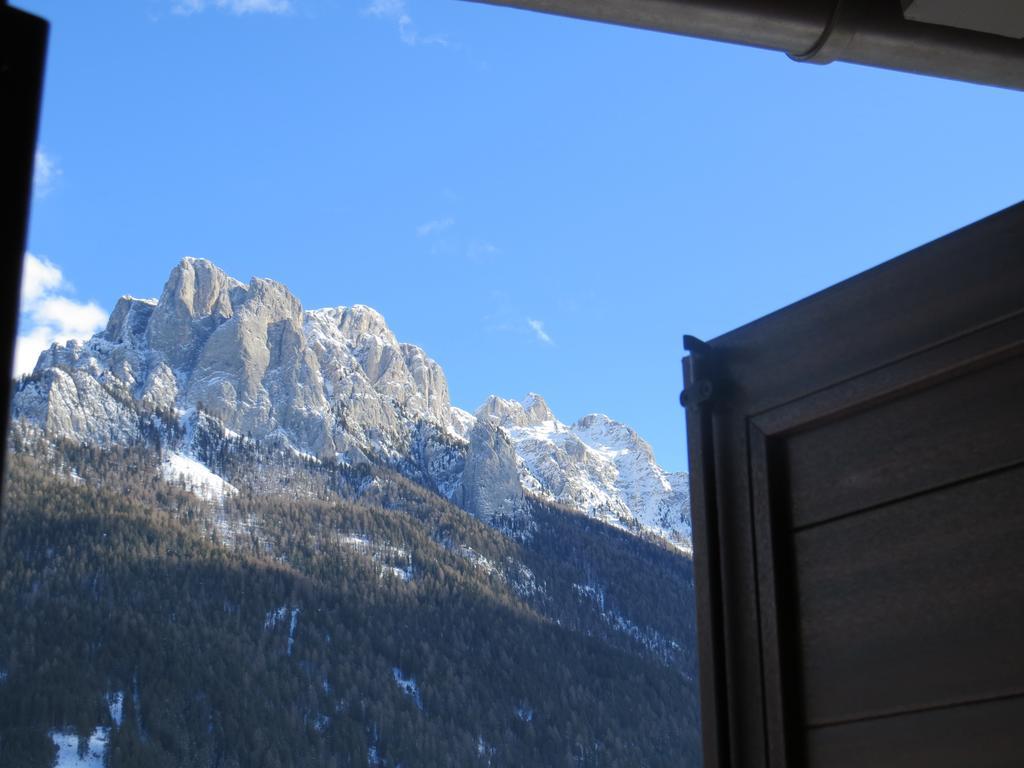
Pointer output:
857, 462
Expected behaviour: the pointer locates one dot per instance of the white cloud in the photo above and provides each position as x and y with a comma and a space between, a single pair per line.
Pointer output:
44, 173
39, 276
397, 11
48, 316
434, 227
237, 7
537, 326
74, 319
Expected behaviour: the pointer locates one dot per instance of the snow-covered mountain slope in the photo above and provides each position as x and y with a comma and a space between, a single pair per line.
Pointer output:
337, 385
196, 477
334, 383
596, 464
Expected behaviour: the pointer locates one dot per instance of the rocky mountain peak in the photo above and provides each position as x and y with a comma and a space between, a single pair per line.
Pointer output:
355, 346
596, 464
360, 321
490, 488
199, 289
196, 299
337, 384
129, 319
266, 293
611, 432
500, 411
536, 409
531, 411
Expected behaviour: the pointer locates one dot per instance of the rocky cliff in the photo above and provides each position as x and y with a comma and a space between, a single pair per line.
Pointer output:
336, 385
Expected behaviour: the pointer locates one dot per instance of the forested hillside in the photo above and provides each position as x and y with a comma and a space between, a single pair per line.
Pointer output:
354, 619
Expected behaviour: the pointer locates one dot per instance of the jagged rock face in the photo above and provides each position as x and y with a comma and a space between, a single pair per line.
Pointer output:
333, 382
596, 465
462, 422
531, 412
438, 459
196, 299
490, 487
257, 375
377, 385
336, 383
73, 402
129, 321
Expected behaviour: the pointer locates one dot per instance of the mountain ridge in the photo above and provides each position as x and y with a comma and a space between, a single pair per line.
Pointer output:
337, 384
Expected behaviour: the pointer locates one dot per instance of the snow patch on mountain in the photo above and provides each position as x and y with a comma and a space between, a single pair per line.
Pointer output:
478, 560
524, 712
462, 422
408, 686
67, 749
391, 560
115, 703
653, 640
291, 629
196, 477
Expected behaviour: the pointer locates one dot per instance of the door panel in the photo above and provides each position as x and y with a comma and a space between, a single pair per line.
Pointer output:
985, 735
952, 430
892, 600
859, 516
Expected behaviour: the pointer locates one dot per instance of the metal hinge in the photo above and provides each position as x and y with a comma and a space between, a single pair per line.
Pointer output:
700, 389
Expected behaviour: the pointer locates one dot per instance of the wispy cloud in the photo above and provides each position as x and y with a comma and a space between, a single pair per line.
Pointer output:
537, 326
434, 227
45, 173
237, 7
48, 315
397, 11
478, 250
506, 316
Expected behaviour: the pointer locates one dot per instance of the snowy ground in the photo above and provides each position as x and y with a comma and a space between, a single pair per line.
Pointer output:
384, 554
197, 477
67, 749
274, 617
115, 702
408, 686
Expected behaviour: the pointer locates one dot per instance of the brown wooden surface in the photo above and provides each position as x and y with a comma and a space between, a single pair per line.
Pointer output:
868, 452
776, 587
951, 431
707, 582
965, 280
983, 735
916, 604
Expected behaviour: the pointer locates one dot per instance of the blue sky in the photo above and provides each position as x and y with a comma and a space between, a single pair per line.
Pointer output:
542, 204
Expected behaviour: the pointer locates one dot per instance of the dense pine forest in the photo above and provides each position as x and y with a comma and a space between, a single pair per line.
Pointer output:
354, 619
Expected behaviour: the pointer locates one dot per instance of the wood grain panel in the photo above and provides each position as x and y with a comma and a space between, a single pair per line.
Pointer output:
948, 287
889, 410
956, 429
985, 735
915, 604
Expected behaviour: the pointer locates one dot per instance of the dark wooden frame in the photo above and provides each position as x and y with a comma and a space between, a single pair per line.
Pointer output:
23, 40
948, 307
